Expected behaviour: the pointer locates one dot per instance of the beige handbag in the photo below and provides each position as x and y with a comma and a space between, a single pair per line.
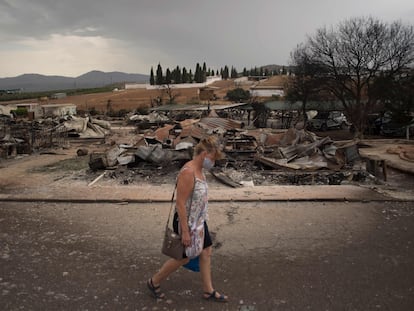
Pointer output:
172, 245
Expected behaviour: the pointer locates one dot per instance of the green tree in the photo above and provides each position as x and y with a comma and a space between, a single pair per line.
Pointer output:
168, 76
225, 74
184, 76
159, 80
176, 75
190, 76
233, 73
238, 95
200, 73
152, 80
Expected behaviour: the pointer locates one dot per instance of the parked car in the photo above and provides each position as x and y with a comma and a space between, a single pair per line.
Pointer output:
326, 120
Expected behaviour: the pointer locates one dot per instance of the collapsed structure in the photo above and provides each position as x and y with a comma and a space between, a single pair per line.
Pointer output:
162, 144
25, 137
249, 150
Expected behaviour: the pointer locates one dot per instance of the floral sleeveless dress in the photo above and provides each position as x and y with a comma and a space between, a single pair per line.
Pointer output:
197, 204
197, 214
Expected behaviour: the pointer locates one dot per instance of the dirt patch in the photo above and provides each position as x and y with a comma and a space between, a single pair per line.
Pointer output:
72, 164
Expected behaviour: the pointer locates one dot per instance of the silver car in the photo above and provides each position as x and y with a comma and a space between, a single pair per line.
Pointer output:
326, 120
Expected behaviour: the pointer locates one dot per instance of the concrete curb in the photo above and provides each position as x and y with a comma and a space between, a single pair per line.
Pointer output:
162, 194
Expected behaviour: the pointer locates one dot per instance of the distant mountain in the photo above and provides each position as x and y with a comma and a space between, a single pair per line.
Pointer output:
37, 82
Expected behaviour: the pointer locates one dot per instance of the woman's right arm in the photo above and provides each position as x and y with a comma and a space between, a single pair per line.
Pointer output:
185, 187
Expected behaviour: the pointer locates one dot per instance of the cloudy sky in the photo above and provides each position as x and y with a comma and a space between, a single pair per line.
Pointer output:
72, 37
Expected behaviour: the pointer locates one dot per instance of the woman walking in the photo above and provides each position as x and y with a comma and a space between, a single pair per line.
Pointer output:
192, 195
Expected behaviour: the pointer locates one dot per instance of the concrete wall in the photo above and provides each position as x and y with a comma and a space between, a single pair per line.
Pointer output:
59, 111
5, 109
266, 92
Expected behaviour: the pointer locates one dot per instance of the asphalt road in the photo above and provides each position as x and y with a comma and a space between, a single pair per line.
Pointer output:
267, 256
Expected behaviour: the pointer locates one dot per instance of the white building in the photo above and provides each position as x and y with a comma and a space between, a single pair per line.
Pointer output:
58, 110
267, 91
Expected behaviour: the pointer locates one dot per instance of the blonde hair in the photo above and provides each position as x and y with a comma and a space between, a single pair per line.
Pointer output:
209, 144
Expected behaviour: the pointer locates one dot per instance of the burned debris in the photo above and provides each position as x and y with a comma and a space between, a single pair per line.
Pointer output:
27, 136
162, 141
259, 156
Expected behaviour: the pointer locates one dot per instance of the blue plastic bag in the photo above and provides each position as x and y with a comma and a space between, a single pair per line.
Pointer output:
193, 264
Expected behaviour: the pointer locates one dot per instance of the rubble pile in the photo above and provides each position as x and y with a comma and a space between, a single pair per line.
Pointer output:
147, 121
258, 155
86, 127
24, 137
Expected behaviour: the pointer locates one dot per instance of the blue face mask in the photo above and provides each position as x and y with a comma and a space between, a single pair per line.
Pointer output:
208, 163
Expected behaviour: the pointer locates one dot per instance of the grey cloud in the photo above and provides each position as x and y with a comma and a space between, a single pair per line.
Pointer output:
240, 33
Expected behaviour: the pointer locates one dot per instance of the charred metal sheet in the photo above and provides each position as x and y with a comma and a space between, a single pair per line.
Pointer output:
271, 162
298, 151
163, 133
126, 159
216, 123
193, 130
225, 179
157, 155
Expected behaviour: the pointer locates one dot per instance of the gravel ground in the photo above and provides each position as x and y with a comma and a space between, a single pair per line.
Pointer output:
267, 256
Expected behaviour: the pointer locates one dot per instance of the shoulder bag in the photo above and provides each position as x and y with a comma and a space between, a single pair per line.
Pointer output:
172, 245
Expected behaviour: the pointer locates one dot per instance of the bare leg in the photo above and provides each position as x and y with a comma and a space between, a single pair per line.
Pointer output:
167, 268
205, 270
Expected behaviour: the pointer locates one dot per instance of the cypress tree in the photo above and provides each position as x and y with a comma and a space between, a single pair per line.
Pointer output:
198, 75
190, 76
159, 79
177, 77
233, 73
184, 77
168, 76
226, 73
152, 80
204, 73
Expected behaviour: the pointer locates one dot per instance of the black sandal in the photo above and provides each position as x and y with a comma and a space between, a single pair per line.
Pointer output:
212, 296
155, 290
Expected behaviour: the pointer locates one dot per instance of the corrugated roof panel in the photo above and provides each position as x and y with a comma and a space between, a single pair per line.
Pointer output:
193, 130
226, 124
163, 132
